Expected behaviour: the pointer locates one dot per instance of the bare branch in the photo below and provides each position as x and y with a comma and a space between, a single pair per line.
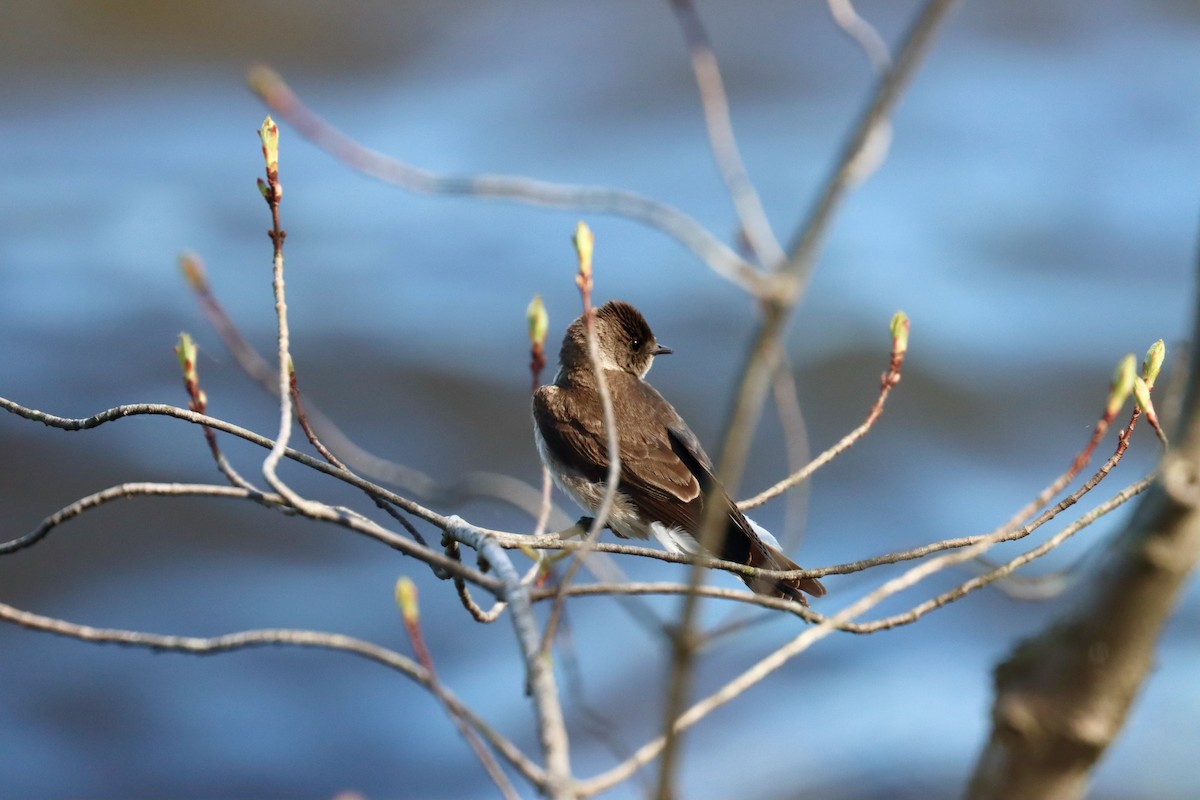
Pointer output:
749, 208
472, 484
540, 682
276, 637
807, 241
584, 243
278, 96
127, 490
861, 32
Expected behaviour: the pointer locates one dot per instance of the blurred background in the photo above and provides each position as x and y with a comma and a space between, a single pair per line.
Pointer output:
1036, 218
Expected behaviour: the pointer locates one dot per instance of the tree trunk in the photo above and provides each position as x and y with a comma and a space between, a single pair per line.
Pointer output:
1062, 696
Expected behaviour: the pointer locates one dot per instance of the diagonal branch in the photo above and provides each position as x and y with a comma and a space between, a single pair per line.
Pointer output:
1063, 695
806, 243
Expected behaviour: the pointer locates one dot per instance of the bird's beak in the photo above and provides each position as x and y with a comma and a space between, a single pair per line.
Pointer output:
662, 351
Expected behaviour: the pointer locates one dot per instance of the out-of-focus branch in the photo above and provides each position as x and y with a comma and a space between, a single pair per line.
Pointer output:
753, 219
723, 260
862, 32
1063, 695
856, 160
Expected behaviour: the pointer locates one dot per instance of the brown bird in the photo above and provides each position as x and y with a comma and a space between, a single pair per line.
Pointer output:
666, 477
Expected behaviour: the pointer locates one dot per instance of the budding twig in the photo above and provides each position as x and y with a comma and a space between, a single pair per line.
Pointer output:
186, 352
539, 326
584, 242
406, 599
899, 329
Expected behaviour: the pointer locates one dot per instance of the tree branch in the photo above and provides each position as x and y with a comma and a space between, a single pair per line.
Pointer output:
277, 637
1063, 695
278, 96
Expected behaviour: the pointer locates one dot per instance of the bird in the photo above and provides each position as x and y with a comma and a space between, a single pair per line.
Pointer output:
666, 478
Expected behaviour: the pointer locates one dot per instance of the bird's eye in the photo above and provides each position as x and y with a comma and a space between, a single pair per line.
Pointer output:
635, 345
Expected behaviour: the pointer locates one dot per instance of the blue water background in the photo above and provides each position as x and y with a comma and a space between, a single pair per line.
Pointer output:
1036, 218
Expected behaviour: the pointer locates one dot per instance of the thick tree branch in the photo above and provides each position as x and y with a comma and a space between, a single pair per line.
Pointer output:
1062, 696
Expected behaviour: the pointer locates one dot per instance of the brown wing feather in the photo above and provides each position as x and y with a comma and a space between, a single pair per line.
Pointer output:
664, 470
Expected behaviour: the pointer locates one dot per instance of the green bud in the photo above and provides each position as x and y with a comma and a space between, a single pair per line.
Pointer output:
1122, 383
584, 242
899, 329
539, 320
269, 133
1153, 362
1141, 393
406, 599
185, 351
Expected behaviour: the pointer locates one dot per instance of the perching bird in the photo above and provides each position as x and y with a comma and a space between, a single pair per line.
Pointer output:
666, 477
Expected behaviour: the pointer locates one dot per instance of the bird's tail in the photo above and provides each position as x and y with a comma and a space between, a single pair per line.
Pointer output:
789, 588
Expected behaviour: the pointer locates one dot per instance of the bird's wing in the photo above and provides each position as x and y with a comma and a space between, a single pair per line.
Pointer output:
742, 542
658, 481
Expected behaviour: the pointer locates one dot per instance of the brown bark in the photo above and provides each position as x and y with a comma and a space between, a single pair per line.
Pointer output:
1063, 695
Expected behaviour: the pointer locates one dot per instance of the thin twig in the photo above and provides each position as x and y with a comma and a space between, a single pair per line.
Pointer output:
847, 172
584, 245
127, 490
276, 637
272, 191
186, 351
472, 484
1004, 569
887, 382
464, 592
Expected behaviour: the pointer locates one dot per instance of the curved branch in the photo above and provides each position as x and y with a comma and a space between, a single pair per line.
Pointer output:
755, 225
1063, 695
278, 96
126, 490
278, 637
